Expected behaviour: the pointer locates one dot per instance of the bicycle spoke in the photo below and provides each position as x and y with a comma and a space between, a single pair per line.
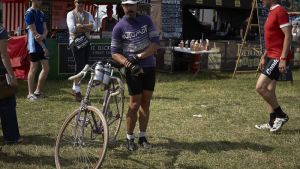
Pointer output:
88, 161
86, 148
69, 141
114, 115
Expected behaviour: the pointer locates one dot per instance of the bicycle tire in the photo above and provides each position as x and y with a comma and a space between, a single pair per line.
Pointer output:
104, 134
114, 111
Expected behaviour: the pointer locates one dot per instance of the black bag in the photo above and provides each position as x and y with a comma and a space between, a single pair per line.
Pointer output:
5, 88
81, 41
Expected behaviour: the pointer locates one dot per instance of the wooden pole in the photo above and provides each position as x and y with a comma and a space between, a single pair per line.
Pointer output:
254, 5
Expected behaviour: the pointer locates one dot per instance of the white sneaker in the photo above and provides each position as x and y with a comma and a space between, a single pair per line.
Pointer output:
278, 123
39, 95
265, 126
31, 97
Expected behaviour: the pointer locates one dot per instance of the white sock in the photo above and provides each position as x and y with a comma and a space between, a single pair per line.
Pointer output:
73, 88
36, 92
76, 88
130, 136
142, 134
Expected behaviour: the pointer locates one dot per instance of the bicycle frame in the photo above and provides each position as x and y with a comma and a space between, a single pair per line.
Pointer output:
85, 102
108, 95
110, 92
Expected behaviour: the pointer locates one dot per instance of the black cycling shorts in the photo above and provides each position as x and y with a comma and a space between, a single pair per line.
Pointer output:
137, 84
38, 56
272, 69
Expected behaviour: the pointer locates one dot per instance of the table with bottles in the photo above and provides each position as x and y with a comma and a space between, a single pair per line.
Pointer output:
196, 50
189, 51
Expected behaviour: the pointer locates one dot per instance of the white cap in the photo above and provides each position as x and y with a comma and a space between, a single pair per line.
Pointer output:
132, 2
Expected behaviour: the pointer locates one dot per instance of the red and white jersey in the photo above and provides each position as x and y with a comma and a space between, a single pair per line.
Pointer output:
278, 18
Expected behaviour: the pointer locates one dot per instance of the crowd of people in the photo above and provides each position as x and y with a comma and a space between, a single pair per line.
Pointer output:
134, 43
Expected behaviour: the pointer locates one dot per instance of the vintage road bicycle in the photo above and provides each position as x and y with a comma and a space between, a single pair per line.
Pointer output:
86, 133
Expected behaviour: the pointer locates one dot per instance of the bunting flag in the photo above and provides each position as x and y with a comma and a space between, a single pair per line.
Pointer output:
91, 8
13, 15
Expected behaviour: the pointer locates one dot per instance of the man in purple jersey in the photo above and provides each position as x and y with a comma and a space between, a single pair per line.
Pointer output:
134, 42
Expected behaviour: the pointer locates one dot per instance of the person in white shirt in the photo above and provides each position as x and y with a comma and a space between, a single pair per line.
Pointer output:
80, 23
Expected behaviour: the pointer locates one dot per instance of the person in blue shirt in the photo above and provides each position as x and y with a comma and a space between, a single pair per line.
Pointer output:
134, 43
37, 33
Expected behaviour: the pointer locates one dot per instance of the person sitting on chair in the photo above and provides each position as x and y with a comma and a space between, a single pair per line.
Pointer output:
108, 23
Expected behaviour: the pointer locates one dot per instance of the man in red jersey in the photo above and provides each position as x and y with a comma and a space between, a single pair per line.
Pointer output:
278, 38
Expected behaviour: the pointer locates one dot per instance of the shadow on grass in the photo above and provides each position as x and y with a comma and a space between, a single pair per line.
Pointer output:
26, 159
126, 155
191, 167
290, 131
38, 140
174, 148
62, 99
164, 98
192, 77
212, 146
22, 158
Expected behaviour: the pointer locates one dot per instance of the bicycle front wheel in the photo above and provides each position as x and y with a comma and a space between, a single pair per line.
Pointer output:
82, 140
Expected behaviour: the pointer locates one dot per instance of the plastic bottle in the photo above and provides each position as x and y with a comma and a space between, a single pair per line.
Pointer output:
107, 74
192, 44
99, 72
201, 45
186, 44
207, 44
196, 46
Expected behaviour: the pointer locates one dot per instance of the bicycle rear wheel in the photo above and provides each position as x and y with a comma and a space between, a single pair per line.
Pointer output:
114, 113
82, 140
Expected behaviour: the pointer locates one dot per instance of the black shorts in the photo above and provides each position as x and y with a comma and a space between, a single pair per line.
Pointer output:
272, 69
137, 84
81, 56
38, 56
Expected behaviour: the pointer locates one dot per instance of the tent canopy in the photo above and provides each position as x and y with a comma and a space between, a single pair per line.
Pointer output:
106, 1
89, 1
5, 1
244, 4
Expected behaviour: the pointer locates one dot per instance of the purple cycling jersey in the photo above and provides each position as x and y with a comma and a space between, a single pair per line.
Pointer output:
132, 36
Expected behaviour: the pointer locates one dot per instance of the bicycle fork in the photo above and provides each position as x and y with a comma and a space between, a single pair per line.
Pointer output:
85, 121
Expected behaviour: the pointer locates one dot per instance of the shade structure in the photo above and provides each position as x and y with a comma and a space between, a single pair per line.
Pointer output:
13, 14
23, 1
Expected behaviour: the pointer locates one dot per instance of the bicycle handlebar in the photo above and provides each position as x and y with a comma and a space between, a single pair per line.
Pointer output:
81, 73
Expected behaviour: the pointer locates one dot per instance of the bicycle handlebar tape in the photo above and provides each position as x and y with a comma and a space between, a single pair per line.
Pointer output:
84, 70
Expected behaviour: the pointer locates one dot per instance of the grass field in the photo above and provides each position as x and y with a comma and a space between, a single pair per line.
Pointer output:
224, 137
